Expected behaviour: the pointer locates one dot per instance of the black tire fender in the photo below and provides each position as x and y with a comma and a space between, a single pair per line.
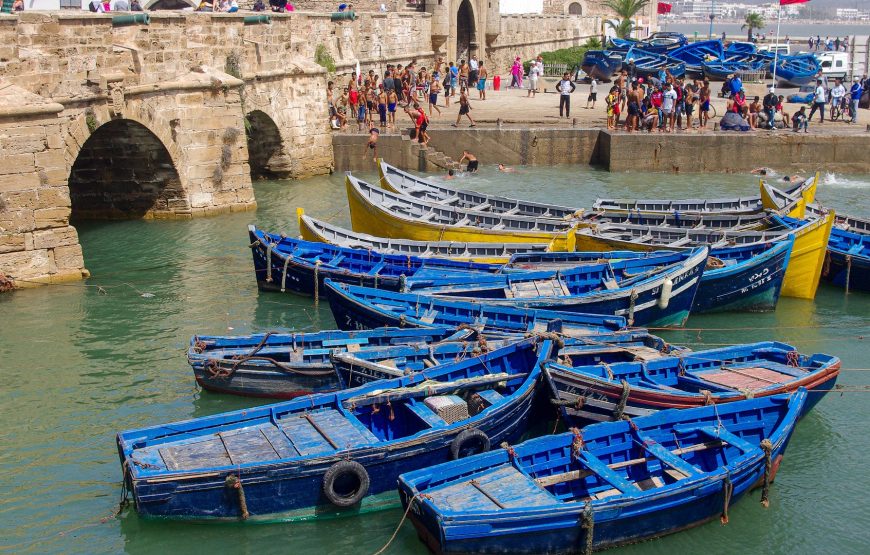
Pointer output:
340, 470
466, 438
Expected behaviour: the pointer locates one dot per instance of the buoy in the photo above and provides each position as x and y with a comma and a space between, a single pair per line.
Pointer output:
665, 297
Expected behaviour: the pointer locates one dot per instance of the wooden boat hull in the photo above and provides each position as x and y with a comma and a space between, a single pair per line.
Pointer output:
289, 365
847, 270
363, 308
367, 217
804, 266
586, 398
288, 481
496, 503
487, 253
753, 285
663, 301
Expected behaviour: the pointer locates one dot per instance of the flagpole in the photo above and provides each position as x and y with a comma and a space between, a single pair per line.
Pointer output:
776, 45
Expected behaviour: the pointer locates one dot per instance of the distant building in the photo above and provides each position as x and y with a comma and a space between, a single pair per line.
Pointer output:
853, 14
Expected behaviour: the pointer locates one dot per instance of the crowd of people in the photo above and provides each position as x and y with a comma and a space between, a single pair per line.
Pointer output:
836, 44
660, 103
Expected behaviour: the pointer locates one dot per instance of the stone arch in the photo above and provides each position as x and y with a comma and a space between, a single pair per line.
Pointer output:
265, 146
123, 170
155, 5
466, 30
575, 8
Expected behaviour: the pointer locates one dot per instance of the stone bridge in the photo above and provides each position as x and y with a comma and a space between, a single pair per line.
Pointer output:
170, 117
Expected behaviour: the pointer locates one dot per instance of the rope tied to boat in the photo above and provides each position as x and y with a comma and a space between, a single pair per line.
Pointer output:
256, 243
848, 271
632, 299
681, 365
316, 282
793, 359
767, 447
588, 524
233, 482
403, 283
577, 444
199, 345
269, 248
284, 274
125, 493
727, 490
708, 396
510, 450
416, 496
623, 399
608, 370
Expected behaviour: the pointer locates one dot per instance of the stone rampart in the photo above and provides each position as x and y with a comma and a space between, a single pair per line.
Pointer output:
528, 35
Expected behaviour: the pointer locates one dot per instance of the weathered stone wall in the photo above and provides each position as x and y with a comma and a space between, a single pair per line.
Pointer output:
528, 35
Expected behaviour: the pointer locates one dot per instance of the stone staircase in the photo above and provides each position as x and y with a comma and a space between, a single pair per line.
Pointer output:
432, 155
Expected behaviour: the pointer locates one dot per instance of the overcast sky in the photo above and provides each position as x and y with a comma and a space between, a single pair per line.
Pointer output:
521, 6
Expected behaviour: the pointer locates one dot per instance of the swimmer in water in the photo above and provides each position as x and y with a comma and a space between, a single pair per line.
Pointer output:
450, 175
472, 161
372, 143
505, 169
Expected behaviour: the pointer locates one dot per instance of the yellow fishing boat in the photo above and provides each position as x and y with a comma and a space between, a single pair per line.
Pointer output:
794, 204
386, 214
312, 229
804, 267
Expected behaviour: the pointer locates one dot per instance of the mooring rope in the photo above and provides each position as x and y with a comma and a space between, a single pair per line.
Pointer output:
589, 526
767, 447
234, 482
728, 489
402, 521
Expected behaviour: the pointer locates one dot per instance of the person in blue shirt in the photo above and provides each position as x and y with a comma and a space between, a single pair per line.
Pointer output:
857, 91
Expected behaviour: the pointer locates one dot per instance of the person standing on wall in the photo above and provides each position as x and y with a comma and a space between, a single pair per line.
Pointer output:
474, 72
769, 103
593, 93
819, 100
565, 88
857, 91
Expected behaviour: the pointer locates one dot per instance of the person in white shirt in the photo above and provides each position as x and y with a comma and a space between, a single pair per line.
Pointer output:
838, 95
819, 100
565, 88
669, 98
473, 72
593, 93
536, 69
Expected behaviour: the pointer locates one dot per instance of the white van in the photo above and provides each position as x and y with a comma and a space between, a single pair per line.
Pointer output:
834, 64
778, 49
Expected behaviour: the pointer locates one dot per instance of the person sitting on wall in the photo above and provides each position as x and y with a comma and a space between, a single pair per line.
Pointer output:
277, 5
18, 6
259, 6
135, 6
342, 7
205, 6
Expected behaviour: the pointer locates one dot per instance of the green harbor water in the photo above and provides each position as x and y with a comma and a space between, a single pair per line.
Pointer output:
82, 361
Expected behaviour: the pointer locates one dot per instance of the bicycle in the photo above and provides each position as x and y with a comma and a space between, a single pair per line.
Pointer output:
842, 109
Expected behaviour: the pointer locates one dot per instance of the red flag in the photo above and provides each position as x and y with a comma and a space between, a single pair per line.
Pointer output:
666, 8
787, 2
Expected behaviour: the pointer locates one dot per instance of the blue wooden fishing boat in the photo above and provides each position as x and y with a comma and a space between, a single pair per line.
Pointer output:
648, 289
600, 392
744, 277
287, 264
286, 365
601, 64
720, 69
613, 483
356, 368
357, 307
847, 261
657, 43
650, 64
741, 48
325, 453
738, 277
696, 53
796, 70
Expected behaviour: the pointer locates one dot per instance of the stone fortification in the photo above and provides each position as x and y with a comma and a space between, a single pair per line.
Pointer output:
151, 120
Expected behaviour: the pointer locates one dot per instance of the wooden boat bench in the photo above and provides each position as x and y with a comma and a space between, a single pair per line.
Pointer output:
491, 396
604, 472
425, 414
719, 433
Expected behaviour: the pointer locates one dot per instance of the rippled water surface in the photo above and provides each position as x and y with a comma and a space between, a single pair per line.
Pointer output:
83, 361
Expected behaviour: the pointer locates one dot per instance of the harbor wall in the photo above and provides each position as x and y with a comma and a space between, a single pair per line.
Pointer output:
619, 152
